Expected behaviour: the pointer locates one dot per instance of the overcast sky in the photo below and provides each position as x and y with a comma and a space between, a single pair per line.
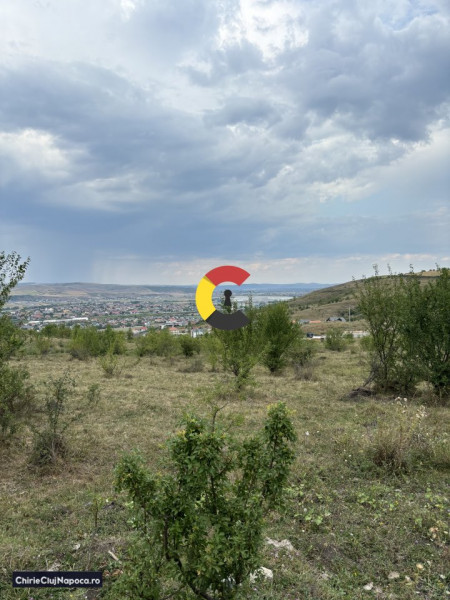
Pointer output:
148, 141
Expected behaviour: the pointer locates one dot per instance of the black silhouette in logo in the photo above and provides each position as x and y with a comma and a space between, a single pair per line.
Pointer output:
227, 294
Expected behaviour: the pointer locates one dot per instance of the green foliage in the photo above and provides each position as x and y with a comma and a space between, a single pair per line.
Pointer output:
110, 364
16, 395
409, 326
42, 344
241, 349
189, 345
366, 343
300, 356
383, 303
50, 443
426, 331
212, 347
168, 345
11, 338
158, 343
11, 272
147, 345
16, 399
201, 525
56, 330
89, 341
279, 335
335, 340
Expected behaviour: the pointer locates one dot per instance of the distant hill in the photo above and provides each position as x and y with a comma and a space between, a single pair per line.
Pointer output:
336, 300
66, 291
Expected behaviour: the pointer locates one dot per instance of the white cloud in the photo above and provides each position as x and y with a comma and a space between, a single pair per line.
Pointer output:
32, 151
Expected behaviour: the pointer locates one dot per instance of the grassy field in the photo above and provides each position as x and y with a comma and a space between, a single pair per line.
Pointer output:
359, 529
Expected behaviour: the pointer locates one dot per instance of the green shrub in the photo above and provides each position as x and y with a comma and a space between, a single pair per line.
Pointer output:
301, 355
212, 347
167, 345
241, 349
279, 334
11, 272
189, 345
202, 524
335, 340
110, 364
16, 399
366, 343
146, 345
55, 330
12, 339
42, 344
88, 342
50, 443
158, 343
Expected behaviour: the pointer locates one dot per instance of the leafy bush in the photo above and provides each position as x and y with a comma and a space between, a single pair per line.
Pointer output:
88, 342
301, 355
42, 344
212, 347
168, 345
110, 364
158, 343
189, 345
335, 340
409, 325
383, 303
278, 335
16, 399
427, 330
366, 343
241, 349
202, 524
11, 272
55, 330
11, 339
50, 443
147, 345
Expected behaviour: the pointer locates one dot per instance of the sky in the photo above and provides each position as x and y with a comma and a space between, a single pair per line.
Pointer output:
147, 141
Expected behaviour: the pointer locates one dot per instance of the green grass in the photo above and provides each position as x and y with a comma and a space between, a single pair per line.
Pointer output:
351, 521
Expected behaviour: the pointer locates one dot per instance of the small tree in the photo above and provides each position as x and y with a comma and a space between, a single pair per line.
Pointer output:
382, 303
11, 338
50, 442
16, 395
16, 399
202, 524
241, 349
12, 270
426, 331
279, 334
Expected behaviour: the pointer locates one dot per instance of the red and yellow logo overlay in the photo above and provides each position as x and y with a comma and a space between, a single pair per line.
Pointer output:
203, 298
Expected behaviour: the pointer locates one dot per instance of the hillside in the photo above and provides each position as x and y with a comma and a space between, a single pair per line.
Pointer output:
336, 300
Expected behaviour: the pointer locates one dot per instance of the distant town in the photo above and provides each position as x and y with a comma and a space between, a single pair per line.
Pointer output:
172, 309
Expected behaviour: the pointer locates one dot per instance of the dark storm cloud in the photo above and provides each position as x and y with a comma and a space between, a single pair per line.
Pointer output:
233, 129
369, 76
